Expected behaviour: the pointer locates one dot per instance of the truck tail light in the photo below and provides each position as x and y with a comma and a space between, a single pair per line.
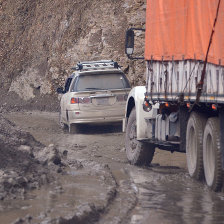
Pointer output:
146, 105
83, 100
122, 97
214, 107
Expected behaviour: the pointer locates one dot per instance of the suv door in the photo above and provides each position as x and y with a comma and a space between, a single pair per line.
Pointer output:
64, 100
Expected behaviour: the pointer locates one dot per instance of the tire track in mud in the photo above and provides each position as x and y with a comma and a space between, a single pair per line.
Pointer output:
90, 212
125, 199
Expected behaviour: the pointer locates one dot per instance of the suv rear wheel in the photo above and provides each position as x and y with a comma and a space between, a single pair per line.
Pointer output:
62, 125
73, 129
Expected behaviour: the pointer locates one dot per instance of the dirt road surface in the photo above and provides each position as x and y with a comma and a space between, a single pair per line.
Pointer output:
97, 184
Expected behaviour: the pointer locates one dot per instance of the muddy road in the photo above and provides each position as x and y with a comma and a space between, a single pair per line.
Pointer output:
98, 185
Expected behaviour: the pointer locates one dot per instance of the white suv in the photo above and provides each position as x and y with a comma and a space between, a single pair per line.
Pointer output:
96, 92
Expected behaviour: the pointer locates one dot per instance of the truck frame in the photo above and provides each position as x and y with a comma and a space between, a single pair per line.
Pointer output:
181, 108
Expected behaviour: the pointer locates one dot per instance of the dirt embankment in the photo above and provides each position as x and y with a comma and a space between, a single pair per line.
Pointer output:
25, 163
41, 41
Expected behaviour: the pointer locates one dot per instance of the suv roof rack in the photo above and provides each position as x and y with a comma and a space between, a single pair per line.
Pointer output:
95, 65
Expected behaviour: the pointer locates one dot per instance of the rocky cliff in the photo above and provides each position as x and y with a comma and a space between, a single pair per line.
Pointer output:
40, 40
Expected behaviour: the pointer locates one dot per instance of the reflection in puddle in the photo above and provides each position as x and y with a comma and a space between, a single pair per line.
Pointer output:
175, 198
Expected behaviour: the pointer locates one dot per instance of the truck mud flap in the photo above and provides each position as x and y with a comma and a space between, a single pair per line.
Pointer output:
183, 116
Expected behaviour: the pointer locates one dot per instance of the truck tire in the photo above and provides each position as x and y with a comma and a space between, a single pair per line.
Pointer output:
138, 153
212, 155
194, 145
73, 129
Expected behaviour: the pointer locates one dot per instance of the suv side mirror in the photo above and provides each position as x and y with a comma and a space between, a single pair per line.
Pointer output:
60, 90
129, 42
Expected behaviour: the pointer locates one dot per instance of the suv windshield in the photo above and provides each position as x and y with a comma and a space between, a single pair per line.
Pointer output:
102, 82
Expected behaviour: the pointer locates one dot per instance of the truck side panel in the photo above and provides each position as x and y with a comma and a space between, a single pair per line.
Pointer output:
170, 81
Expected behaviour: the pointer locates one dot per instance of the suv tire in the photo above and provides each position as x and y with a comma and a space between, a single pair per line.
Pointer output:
73, 129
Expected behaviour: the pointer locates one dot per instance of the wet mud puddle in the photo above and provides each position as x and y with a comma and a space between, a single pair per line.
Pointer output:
174, 198
53, 201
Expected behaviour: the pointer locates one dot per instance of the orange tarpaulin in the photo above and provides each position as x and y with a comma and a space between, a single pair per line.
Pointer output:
182, 28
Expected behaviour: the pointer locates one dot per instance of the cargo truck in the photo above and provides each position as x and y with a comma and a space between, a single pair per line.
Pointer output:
181, 108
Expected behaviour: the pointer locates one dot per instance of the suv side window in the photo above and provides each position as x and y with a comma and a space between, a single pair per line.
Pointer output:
73, 87
67, 84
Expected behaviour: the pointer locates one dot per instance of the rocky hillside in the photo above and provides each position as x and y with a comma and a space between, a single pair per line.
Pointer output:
40, 40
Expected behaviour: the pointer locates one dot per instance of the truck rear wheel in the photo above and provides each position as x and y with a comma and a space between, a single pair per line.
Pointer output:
138, 153
212, 155
194, 145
